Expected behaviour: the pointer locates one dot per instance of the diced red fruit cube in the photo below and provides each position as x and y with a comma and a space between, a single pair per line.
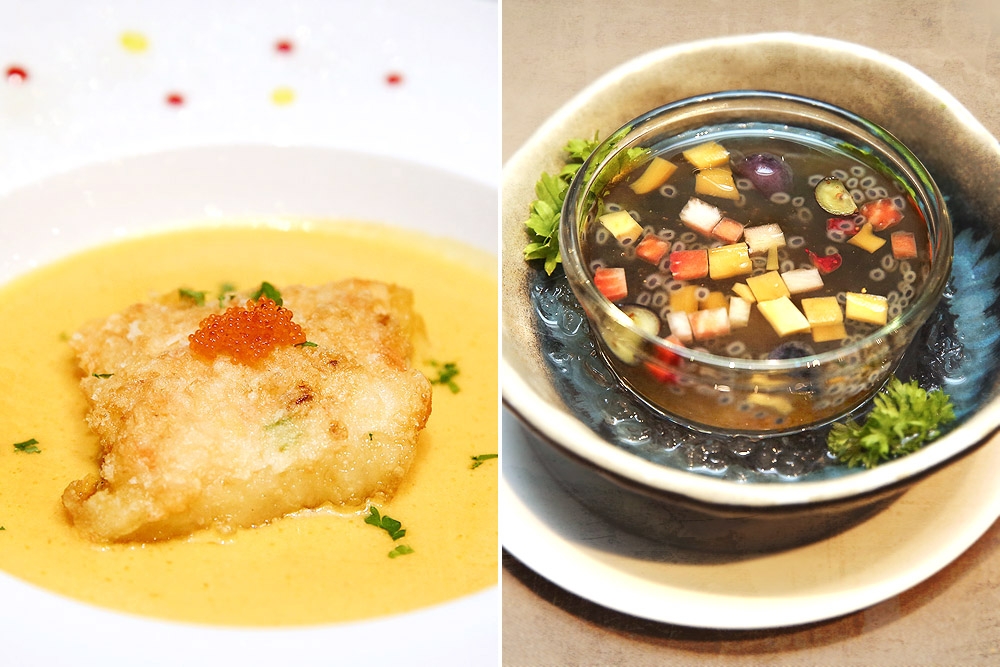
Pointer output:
728, 230
881, 213
652, 249
689, 264
904, 245
611, 283
665, 361
825, 263
846, 226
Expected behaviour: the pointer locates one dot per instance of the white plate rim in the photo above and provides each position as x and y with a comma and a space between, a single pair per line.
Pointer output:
638, 590
470, 623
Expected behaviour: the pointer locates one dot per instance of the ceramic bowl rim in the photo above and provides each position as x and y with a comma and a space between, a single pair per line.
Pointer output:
570, 433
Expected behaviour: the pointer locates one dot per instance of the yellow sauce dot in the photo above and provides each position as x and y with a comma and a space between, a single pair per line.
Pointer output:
283, 95
133, 41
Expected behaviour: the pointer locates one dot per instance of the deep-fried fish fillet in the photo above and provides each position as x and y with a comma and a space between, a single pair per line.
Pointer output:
189, 443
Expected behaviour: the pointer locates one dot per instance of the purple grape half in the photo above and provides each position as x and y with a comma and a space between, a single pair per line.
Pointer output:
768, 173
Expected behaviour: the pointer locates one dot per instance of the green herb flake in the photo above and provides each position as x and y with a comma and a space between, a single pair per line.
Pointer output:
268, 290
103, 376
400, 550
308, 343
226, 294
481, 459
388, 524
904, 418
196, 297
28, 446
446, 373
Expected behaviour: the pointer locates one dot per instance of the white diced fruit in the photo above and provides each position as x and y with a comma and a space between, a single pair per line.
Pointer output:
709, 323
622, 225
739, 312
680, 326
802, 280
700, 216
762, 238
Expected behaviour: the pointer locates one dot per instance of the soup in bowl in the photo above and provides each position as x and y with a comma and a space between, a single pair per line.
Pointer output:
754, 262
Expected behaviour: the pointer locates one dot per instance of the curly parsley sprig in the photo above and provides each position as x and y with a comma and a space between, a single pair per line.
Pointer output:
904, 419
543, 221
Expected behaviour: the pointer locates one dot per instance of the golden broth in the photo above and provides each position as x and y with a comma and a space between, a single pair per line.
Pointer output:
314, 567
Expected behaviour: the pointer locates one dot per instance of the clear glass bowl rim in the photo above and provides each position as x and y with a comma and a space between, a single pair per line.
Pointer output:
585, 289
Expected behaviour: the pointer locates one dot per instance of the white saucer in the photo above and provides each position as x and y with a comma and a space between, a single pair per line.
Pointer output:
925, 530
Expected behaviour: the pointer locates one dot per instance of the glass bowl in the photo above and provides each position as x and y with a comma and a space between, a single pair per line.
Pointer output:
708, 388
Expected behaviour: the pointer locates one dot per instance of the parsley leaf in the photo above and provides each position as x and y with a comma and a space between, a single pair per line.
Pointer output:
481, 459
400, 550
307, 343
28, 446
226, 293
550, 191
103, 376
446, 375
904, 418
268, 290
388, 524
198, 298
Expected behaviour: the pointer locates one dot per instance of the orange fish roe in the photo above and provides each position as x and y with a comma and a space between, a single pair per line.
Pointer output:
247, 334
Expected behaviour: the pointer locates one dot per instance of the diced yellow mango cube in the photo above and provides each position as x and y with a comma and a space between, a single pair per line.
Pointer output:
744, 292
716, 182
820, 310
713, 300
728, 261
866, 239
622, 225
772, 259
655, 175
783, 316
870, 308
768, 286
684, 300
779, 404
823, 333
707, 155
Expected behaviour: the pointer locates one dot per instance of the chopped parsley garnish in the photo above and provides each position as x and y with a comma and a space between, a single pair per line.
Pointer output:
103, 376
198, 298
446, 375
481, 459
268, 290
308, 343
905, 418
388, 524
543, 220
226, 293
400, 550
28, 446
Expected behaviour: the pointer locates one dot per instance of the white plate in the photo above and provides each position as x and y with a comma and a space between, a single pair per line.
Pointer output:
918, 535
91, 149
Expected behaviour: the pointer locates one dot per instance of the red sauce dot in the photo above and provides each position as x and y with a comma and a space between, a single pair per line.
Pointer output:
284, 46
16, 74
175, 99
394, 78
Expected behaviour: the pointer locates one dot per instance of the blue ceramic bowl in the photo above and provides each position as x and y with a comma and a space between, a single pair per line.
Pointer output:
730, 492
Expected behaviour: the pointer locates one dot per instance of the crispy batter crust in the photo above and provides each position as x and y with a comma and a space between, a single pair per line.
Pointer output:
189, 443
